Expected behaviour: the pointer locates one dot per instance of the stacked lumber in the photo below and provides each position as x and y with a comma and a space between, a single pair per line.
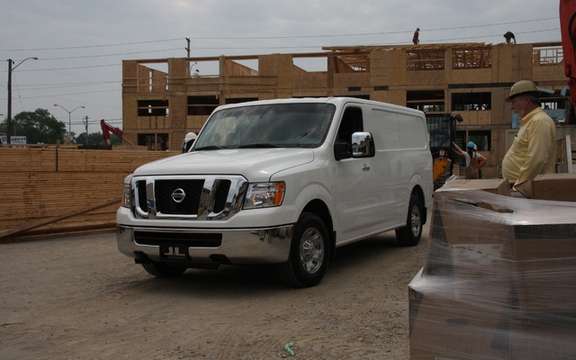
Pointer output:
40, 184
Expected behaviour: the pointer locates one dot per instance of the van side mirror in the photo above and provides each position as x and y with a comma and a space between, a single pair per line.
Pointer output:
187, 145
363, 145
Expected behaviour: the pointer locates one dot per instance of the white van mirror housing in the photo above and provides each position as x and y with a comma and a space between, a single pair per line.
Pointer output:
362, 145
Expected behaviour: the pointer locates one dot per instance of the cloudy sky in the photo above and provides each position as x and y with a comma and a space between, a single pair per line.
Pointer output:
80, 43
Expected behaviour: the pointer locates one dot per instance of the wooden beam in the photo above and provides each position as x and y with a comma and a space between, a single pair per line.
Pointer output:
254, 57
341, 50
546, 44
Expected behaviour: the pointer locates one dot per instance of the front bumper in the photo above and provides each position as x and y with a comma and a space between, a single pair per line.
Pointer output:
237, 246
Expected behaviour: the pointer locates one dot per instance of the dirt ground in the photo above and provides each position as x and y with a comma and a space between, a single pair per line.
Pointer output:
79, 298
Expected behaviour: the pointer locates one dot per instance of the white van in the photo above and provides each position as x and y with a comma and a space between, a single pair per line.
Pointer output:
281, 181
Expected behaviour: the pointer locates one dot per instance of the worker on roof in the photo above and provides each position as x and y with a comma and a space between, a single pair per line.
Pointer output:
533, 151
416, 37
474, 161
509, 36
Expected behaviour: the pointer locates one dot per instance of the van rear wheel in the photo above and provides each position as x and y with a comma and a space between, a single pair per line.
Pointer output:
410, 234
309, 252
163, 270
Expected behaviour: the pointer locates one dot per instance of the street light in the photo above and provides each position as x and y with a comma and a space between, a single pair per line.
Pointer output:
70, 115
10, 69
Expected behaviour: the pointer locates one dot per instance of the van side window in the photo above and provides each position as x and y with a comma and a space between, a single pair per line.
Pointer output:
351, 123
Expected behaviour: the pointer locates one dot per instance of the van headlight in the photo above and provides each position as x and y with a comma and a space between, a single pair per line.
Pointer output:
127, 195
263, 195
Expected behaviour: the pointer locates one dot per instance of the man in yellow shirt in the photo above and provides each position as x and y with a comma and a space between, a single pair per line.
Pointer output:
533, 151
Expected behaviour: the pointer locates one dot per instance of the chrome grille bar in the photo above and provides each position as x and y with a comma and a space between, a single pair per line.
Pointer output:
206, 205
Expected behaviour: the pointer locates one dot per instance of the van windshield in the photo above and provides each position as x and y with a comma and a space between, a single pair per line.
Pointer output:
267, 126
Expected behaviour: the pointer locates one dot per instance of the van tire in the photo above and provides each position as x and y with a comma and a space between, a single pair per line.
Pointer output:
163, 270
410, 234
309, 252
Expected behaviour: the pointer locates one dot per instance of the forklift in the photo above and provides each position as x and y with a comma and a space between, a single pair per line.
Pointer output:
442, 129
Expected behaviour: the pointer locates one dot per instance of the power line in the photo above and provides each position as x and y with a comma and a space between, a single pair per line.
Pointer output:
105, 55
73, 67
244, 37
366, 33
62, 87
94, 46
489, 25
384, 44
65, 84
74, 93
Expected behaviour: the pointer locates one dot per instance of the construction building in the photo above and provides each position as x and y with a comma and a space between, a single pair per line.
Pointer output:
165, 98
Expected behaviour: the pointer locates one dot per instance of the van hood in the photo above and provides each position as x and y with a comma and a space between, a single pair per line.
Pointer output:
253, 164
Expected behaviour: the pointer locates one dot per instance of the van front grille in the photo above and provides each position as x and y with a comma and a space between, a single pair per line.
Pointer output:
178, 196
188, 197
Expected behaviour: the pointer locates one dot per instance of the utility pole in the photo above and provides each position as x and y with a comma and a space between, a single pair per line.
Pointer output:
11, 68
196, 72
86, 127
9, 116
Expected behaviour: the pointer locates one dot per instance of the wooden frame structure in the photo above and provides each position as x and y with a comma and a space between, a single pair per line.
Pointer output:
386, 73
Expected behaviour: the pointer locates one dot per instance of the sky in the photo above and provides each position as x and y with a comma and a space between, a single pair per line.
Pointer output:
81, 44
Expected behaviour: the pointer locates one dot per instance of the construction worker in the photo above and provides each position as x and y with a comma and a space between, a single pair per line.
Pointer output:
416, 37
509, 36
189, 139
473, 159
533, 151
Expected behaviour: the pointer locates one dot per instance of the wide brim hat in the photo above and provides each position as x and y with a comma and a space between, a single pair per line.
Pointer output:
524, 87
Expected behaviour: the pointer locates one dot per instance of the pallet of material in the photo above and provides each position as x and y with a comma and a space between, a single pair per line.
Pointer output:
499, 280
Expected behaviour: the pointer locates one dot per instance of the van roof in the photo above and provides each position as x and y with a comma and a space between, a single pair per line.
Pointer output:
338, 101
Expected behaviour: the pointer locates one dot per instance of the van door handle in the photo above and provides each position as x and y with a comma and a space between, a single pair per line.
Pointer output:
366, 167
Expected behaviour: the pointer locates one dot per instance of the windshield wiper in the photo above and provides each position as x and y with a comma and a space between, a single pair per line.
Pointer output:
210, 147
258, 146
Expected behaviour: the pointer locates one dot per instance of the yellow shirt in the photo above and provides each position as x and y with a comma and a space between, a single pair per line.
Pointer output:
533, 151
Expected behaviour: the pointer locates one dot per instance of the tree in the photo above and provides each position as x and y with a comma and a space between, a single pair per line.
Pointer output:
38, 127
96, 139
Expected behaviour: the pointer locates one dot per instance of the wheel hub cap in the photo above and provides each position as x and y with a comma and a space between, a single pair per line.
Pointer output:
415, 221
312, 250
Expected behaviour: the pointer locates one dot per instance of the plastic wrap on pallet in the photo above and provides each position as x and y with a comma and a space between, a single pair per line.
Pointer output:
499, 280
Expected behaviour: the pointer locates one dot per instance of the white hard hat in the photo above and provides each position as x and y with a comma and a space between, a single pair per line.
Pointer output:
190, 136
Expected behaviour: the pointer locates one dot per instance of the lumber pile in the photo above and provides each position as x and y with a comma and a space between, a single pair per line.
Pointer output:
44, 184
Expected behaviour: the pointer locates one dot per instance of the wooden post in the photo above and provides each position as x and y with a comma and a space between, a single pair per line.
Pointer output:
569, 154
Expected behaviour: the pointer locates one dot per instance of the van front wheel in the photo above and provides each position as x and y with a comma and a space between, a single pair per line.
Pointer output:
410, 234
309, 252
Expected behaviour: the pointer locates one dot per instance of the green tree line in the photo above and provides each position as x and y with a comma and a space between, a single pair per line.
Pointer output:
41, 127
